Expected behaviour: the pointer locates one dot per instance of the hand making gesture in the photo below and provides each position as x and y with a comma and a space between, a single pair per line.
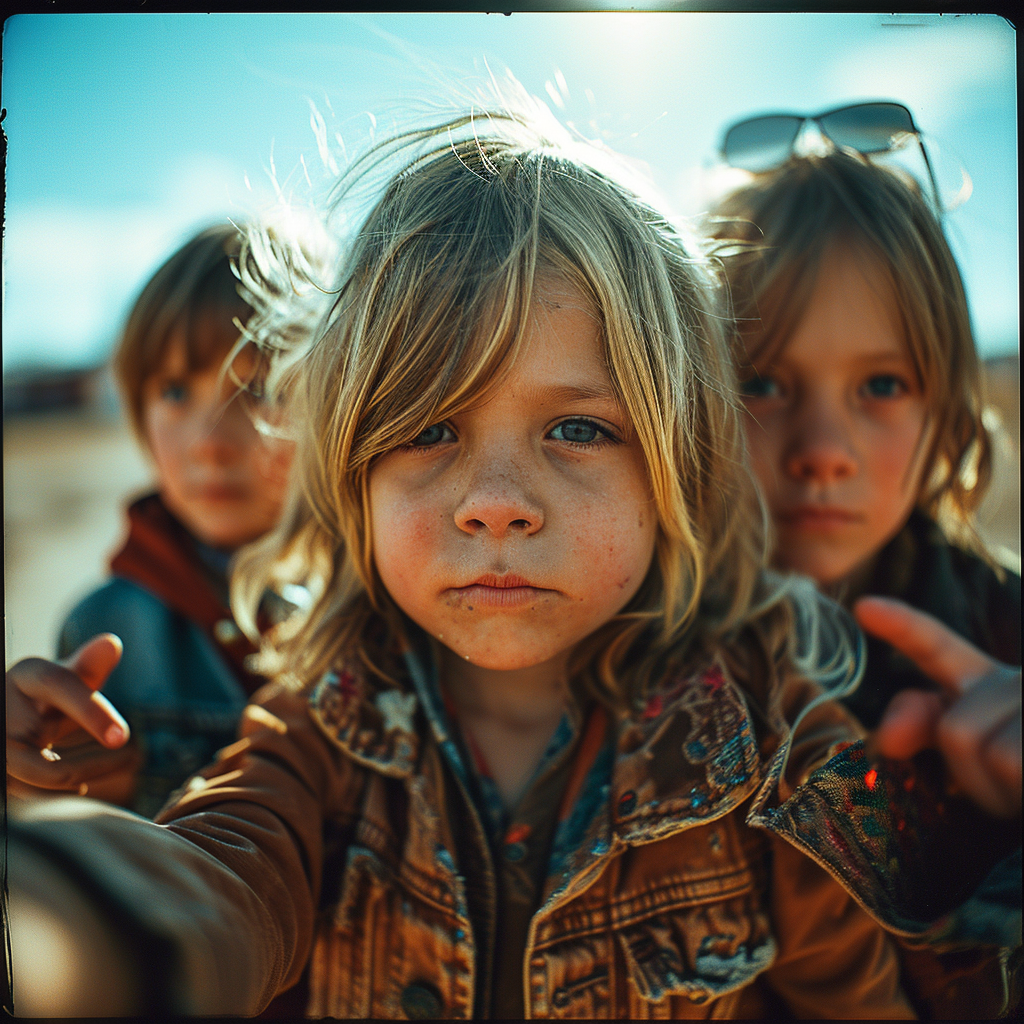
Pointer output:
62, 733
974, 720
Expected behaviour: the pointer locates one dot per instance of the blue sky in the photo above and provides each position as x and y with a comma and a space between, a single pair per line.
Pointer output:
127, 132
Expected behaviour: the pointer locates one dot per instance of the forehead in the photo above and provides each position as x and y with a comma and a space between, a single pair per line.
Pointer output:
559, 348
563, 336
561, 315
847, 310
200, 343
853, 306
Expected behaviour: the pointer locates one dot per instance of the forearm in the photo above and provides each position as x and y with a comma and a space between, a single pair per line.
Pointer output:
227, 883
148, 921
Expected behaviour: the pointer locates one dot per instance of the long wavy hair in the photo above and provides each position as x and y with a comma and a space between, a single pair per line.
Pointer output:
430, 310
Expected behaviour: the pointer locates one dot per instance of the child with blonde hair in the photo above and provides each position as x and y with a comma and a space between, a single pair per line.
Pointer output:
550, 740
860, 376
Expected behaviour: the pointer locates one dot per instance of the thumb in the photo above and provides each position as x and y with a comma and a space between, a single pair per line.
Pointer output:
96, 659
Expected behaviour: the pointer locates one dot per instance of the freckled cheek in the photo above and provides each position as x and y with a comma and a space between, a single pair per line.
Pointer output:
418, 524
406, 535
764, 445
168, 453
614, 549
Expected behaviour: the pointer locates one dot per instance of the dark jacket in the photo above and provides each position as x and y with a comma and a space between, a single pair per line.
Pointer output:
919, 566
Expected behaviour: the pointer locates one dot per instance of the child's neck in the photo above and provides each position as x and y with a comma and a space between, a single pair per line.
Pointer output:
510, 715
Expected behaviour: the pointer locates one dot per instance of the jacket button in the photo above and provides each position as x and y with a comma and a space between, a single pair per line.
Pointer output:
515, 852
421, 1001
627, 803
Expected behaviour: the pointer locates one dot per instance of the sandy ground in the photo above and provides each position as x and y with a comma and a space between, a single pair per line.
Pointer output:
68, 476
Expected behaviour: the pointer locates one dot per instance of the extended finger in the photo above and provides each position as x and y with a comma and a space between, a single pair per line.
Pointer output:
96, 659
939, 652
49, 686
909, 724
974, 736
982, 710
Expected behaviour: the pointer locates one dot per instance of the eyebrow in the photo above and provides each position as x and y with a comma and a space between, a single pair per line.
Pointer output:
883, 355
558, 393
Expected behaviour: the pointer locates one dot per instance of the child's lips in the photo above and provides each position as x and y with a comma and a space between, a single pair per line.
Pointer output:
818, 518
491, 590
504, 581
219, 492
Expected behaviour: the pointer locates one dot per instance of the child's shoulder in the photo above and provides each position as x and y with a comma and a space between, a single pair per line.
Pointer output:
936, 555
779, 677
996, 577
168, 660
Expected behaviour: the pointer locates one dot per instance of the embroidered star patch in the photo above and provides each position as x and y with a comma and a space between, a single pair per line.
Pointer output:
397, 709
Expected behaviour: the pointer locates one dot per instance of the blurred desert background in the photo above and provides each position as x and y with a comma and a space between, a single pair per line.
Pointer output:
70, 465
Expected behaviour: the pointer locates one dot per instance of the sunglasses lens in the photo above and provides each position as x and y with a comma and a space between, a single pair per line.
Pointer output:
868, 127
760, 143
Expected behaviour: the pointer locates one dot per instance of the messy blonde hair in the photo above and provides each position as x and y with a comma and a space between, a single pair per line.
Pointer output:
430, 312
785, 222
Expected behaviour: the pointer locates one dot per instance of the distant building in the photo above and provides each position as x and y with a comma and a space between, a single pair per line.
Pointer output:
32, 390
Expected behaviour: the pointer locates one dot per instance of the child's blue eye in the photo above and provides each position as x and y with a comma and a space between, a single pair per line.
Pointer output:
434, 434
885, 385
579, 432
759, 387
174, 391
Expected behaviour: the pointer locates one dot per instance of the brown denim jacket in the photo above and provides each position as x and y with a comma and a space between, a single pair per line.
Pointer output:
323, 836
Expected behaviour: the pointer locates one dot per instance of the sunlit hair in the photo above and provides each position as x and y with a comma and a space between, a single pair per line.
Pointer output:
194, 294
431, 313
787, 220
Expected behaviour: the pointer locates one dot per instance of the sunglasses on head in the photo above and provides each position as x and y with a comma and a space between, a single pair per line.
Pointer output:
766, 142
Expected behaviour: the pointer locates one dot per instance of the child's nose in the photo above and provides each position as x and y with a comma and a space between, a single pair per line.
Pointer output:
820, 449
220, 432
498, 503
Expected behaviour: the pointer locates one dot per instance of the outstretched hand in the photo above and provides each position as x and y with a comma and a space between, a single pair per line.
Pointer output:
62, 734
974, 720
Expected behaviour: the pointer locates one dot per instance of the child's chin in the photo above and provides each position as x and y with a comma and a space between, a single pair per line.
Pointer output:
825, 569
505, 659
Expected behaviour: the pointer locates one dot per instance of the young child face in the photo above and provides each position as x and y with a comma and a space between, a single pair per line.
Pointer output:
216, 473
518, 527
837, 424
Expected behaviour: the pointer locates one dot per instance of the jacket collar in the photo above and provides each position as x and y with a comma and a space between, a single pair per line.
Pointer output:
687, 757
372, 724
161, 556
